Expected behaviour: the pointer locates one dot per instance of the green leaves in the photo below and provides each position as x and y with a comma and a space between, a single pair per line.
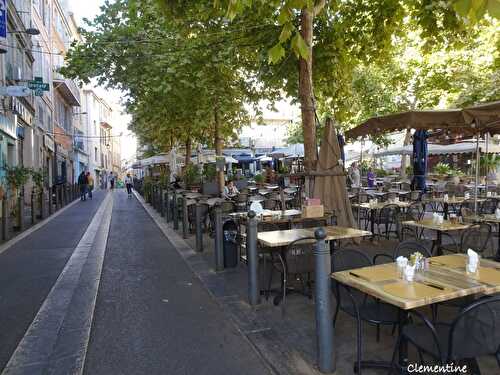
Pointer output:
276, 53
475, 10
300, 47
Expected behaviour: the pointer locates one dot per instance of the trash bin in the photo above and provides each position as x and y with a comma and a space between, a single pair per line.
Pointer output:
229, 244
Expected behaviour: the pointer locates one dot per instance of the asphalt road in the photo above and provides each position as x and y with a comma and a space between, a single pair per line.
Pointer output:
29, 269
153, 316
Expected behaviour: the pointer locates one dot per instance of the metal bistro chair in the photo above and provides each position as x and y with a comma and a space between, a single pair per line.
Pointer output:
295, 264
414, 212
489, 206
387, 217
405, 248
359, 305
241, 202
271, 204
474, 332
476, 237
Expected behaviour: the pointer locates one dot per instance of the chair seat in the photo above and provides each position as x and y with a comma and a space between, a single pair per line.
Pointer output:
375, 312
421, 336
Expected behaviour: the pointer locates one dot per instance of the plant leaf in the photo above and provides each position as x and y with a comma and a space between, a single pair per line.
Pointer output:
276, 53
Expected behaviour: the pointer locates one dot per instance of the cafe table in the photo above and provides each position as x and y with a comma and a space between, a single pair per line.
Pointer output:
452, 201
444, 280
446, 227
281, 238
487, 218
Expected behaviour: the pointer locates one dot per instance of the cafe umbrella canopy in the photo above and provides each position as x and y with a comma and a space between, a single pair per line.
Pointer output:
471, 121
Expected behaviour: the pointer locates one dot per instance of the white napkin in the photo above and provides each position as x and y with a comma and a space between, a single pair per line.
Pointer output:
409, 273
435, 217
466, 196
257, 208
445, 198
472, 257
440, 219
497, 213
401, 261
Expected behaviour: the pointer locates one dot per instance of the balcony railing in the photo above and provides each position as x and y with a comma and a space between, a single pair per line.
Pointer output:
68, 88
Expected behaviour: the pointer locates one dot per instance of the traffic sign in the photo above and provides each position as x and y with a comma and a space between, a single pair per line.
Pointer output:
38, 84
38, 92
14, 91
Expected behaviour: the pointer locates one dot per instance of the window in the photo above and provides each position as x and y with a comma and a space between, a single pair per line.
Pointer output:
95, 154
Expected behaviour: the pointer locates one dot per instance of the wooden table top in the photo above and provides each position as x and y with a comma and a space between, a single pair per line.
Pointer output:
380, 205
447, 225
445, 279
284, 237
454, 200
491, 218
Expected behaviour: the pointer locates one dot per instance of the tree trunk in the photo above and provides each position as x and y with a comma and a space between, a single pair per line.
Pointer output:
218, 148
188, 152
306, 93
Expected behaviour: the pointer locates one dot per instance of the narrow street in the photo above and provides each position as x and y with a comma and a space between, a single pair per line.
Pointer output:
151, 314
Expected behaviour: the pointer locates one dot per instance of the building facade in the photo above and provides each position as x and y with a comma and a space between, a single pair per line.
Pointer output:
53, 126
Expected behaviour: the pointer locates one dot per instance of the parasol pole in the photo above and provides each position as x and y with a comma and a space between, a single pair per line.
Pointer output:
487, 140
477, 174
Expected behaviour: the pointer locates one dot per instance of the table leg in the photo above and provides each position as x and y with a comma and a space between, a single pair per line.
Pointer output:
439, 240
372, 224
445, 209
403, 345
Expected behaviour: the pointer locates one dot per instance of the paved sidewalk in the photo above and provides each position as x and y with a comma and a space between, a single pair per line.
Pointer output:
153, 316
29, 269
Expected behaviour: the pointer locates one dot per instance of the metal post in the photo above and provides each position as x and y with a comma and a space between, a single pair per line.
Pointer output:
253, 260
20, 213
51, 204
185, 222
219, 251
162, 202
58, 202
33, 214
323, 303
176, 212
41, 197
199, 227
5, 218
167, 203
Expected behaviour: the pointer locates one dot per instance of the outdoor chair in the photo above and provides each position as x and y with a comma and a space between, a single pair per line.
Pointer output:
313, 223
405, 186
489, 206
241, 202
227, 207
471, 334
476, 237
387, 218
296, 265
414, 212
271, 204
357, 304
405, 248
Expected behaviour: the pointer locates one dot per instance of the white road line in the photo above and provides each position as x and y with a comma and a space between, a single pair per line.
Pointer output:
36, 352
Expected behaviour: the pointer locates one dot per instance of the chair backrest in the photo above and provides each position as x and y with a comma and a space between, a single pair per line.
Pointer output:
363, 197
476, 237
313, 223
388, 212
270, 204
242, 198
227, 207
343, 260
405, 186
415, 211
489, 206
300, 256
406, 248
476, 330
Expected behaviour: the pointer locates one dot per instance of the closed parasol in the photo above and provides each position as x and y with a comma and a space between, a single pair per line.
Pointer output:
331, 187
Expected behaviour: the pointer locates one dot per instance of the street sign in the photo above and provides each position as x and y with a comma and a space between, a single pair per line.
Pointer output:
38, 84
14, 91
38, 92
3, 25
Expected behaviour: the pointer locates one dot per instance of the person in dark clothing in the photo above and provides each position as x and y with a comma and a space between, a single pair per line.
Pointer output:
82, 183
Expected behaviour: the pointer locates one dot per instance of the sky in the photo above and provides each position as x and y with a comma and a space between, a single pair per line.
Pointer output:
89, 9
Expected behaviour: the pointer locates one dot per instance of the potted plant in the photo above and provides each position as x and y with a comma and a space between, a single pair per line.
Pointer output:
489, 165
147, 187
192, 176
259, 179
442, 169
17, 178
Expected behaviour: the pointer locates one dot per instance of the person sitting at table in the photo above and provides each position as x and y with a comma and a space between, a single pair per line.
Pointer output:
355, 175
371, 178
230, 190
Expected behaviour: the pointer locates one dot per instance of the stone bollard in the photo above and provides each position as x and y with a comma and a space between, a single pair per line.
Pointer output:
20, 213
51, 203
199, 227
5, 218
185, 222
168, 213
162, 202
58, 198
33, 208
323, 303
41, 204
175, 213
253, 260
219, 249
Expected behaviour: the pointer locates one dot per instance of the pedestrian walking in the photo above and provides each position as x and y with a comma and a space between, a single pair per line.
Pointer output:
111, 180
128, 184
82, 183
90, 184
